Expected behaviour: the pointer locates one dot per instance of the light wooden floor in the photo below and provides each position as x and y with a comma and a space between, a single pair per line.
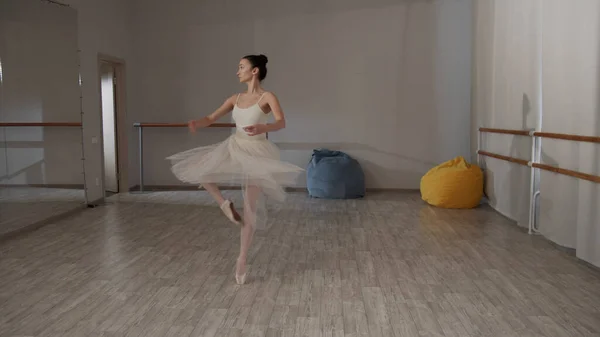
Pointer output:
21, 207
161, 264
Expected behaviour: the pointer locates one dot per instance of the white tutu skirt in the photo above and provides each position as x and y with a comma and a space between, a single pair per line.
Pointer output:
239, 160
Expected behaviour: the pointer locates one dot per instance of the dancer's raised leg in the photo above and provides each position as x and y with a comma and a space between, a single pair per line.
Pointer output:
247, 231
226, 205
214, 191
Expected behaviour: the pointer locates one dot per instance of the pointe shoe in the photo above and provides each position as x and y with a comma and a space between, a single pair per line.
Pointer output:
230, 212
240, 279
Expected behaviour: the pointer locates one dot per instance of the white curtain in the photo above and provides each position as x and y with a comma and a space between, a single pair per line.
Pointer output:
506, 95
537, 67
571, 74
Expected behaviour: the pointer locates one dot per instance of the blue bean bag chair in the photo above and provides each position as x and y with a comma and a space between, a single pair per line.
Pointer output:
334, 175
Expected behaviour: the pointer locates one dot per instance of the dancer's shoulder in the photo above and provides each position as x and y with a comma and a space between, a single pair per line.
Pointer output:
269, 95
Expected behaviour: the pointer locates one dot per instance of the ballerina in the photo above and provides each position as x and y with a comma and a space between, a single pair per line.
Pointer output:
246, 158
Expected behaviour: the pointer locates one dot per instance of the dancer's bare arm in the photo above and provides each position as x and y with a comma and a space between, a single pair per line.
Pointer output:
225, 108
279, 124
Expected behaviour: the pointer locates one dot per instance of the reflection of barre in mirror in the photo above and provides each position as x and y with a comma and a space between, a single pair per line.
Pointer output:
35, 202
534, 161
32, 124
246, 158
42, 177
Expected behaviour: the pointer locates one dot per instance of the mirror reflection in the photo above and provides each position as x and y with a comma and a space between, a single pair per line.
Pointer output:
41, 168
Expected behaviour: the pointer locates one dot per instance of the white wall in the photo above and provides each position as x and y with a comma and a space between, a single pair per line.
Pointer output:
536, 67
400, 68
34, 34
104, 27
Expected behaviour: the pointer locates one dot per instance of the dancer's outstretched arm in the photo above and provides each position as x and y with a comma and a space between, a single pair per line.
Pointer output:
225, 108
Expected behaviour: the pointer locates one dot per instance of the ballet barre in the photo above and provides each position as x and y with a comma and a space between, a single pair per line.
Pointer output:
141, 126
505, 131
180, 125
50, 124
43, 124
534, 161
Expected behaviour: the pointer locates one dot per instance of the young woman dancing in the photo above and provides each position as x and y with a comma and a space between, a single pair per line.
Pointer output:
246, 158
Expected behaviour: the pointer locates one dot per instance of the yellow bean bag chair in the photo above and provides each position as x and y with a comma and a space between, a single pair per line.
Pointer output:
453, 184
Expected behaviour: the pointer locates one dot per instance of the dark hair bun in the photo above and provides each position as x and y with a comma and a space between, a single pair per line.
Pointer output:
260, 62
263, 59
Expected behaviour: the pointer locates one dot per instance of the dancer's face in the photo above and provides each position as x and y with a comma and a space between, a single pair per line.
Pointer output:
245, 71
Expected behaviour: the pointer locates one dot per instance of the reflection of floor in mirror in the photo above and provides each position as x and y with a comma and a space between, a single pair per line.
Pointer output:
24, 206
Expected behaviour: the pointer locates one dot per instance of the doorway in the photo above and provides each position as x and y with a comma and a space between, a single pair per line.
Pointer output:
108, 84
112, 108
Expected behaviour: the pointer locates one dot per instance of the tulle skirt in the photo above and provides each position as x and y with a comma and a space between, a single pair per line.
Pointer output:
239, 160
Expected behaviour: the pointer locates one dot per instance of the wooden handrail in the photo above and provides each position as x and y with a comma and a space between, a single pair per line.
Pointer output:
567, 137
575, 174
26, 124
563, 136
506, 131
180, 125
506, 158
584, 176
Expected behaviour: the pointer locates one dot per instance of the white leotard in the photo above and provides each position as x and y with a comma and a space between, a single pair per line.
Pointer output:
249, 116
